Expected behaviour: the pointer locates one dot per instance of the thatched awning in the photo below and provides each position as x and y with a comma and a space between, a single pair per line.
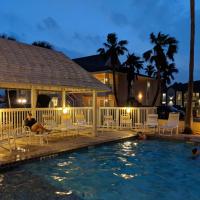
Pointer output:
22, 64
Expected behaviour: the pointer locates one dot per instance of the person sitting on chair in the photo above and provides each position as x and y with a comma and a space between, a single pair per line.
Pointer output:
34, 125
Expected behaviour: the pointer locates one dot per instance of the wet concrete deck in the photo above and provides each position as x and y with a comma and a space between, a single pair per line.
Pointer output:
58, 143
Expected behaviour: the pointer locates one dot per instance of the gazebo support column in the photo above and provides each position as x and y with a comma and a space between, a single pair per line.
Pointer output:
94, 104
33, 101
63, 99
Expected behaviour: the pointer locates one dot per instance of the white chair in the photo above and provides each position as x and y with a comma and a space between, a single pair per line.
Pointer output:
108, 122
49, 122
151, 122
171, 125
43, 136
6, 139
125, 121
67, 124
81, 122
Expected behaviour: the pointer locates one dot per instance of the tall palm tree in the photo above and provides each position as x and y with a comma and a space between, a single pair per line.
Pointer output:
43, 44
111, 51
161, 57
188, 118
149, 70
133, 65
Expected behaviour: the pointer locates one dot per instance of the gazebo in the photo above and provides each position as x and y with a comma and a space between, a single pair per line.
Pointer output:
35, 68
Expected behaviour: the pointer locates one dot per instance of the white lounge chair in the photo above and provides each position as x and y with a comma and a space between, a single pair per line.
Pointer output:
7, 138
43, 136
125, 121
171, 125
151, 122
49, 122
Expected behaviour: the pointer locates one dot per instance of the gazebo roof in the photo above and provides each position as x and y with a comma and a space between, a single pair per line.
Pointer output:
31, 65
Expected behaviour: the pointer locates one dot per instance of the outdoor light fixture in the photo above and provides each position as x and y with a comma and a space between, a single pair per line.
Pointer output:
128, 110
66, 110
106, 80
21, 101
140, 96
148, 84
106, 100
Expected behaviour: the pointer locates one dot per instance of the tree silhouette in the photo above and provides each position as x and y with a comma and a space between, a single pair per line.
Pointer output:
111, 51
133, 65
161, 58
43, 44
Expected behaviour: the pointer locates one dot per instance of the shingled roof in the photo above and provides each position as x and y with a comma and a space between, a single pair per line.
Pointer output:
94, 63
27, 64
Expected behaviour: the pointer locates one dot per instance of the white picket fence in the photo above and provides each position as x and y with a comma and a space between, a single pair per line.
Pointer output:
13, 119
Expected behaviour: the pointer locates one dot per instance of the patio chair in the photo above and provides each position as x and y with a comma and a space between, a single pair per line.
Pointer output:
43, 136
6, 139
81, 122
151, 122
67, 124
108, 122
125, 121
171, 125
49, 122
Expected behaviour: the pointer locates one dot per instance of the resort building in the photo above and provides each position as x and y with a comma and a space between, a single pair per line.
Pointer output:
143, 88
176, 94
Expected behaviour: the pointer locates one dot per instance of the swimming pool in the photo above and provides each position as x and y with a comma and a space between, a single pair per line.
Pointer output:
138, 170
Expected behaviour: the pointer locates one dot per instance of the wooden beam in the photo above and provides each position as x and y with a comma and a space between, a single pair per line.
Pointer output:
94, 104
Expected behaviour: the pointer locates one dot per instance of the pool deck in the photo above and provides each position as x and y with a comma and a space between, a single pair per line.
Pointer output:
58, 143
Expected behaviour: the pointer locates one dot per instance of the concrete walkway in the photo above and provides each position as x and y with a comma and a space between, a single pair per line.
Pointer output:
57, 143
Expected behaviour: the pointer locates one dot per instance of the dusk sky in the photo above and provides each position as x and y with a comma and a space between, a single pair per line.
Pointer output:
79, 27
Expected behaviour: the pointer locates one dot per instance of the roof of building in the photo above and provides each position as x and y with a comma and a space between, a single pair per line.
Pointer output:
96, 63
27, 64
184, 86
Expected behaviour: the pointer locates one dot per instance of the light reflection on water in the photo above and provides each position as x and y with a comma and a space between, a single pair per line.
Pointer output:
141, 169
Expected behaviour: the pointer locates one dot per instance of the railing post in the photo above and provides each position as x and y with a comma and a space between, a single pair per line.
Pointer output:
94, 104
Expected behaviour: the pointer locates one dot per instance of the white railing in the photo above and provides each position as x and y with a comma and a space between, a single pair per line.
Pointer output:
13, 119
137, 114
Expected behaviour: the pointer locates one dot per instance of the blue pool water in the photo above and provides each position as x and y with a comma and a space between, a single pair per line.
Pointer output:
138, 170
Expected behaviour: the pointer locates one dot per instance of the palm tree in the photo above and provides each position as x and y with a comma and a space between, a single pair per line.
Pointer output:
161, 58
133, 66
5, 36
111, 51
43, 44
149, 70
188, 118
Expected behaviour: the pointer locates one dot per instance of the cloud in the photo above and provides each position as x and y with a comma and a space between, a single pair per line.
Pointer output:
48, 24
87, 39
119, 19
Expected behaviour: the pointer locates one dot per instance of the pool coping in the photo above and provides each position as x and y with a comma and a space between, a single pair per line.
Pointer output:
51, 154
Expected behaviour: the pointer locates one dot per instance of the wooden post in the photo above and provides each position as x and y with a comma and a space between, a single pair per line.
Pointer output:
63, 98
33, 101
94, 104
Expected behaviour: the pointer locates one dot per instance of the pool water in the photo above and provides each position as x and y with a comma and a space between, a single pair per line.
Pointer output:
138, 170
